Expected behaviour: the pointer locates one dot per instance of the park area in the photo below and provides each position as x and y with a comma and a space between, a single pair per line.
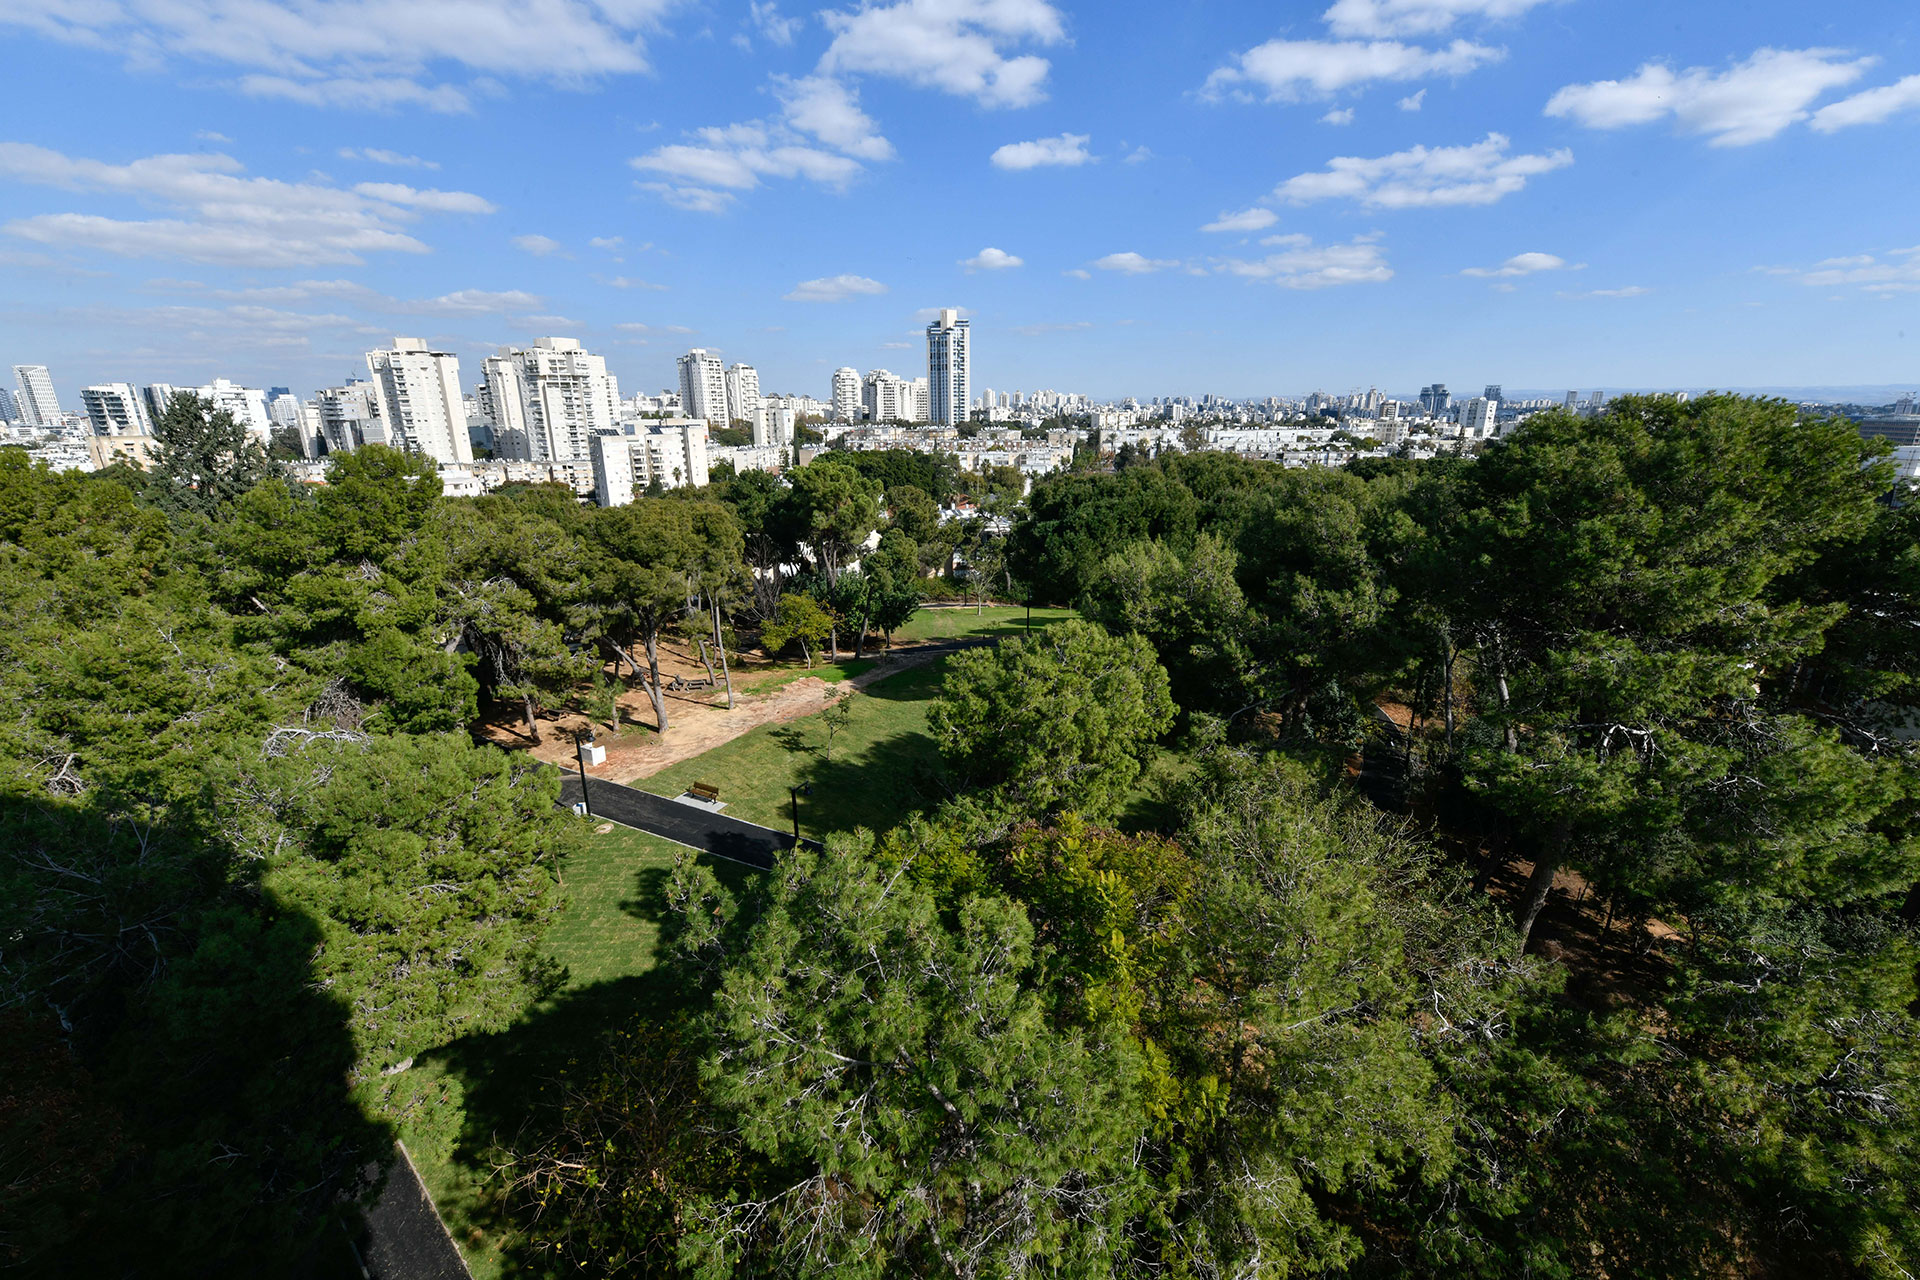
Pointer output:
869, 764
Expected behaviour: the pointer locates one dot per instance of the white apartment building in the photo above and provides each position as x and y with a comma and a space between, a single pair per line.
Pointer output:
248, 405
949, 369
544, 403
846, 394
349, 416
35, 401
612, 468
746, 458
676, 454
743, 395
887, 397
703, 387
418, 394
115, 410
1477, 418
157, 396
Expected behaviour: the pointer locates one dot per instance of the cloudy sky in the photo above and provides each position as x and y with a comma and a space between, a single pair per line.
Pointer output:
1131, 197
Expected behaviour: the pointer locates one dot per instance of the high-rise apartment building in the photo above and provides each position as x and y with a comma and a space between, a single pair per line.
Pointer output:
743, 394
349, 416
1494, 394
1436, 400
418, 394
887, 397
115, 410
703, 387
37, 405
157, 397
248, 405
1477, 418
949, 369
9, 411
545, 402
846, 394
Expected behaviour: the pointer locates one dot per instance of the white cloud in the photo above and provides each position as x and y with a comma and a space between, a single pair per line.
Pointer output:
393, 159
1339, 115
835, 289
1245, 220
992, 260
223, 217
634, 326
547, 322
433, 200
628, 282
1425, 176
1897, 271
1413, 102
957, 46
736, 157
1069, 150
463, 302
1078, 273
830, 111
1292, 70
359, 93
609, 243
1521, 264
1133, 264
1304, 265
1749, 102
538, 246
692, 199
1631, 291
1139, 155
362, 53
1872, 107
1415, 17
774, 27
209, 135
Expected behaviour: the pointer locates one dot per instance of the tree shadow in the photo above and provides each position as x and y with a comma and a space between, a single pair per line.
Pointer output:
193, 1115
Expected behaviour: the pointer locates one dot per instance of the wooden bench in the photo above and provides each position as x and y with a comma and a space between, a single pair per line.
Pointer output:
705, 791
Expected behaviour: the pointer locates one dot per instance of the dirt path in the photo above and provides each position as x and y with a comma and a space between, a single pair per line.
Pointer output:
698, 720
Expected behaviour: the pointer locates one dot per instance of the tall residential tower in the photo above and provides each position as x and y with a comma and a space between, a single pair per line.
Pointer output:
949, 370
418, 394
36, 403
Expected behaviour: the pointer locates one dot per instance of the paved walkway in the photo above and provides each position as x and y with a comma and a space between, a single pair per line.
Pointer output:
713, 833
405, 1239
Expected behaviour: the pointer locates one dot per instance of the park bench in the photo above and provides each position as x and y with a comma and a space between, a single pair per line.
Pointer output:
705, 791
681, 684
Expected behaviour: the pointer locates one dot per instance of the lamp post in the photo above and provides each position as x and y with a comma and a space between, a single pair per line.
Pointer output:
580, 745
793, 795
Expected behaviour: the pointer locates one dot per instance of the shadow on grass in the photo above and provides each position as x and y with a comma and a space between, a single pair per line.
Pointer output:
514, 1083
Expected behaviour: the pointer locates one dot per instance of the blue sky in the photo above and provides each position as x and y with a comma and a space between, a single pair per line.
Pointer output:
1168, 197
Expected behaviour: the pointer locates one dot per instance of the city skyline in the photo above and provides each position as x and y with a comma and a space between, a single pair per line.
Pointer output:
1244, 201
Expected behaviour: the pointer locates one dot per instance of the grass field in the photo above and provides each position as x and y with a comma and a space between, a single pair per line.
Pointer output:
879, 770
456, 1098
961, 621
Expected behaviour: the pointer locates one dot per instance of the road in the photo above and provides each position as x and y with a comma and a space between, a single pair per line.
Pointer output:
713, 833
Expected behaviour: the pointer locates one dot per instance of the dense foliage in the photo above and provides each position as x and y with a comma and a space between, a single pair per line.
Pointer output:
1657, 665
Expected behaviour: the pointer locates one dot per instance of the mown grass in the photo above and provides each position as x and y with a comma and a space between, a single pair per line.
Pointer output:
879, 768
456, 1101
962, 621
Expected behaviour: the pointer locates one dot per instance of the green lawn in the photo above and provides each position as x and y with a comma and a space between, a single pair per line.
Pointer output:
455, 1098
995, 620
879, 771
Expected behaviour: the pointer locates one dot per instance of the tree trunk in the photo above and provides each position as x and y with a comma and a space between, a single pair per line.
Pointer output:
833, 640
1540, 883
654, 692
533, 724
806, 653
720, 643
1512, 735
1447, 674
705, 661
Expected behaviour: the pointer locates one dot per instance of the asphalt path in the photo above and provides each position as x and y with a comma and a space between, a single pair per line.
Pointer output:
404, 1238
686, 824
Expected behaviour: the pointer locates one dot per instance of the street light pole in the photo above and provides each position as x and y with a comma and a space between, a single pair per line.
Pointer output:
580, 758
793, 797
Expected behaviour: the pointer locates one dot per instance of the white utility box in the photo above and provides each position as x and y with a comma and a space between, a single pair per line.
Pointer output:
591, 755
